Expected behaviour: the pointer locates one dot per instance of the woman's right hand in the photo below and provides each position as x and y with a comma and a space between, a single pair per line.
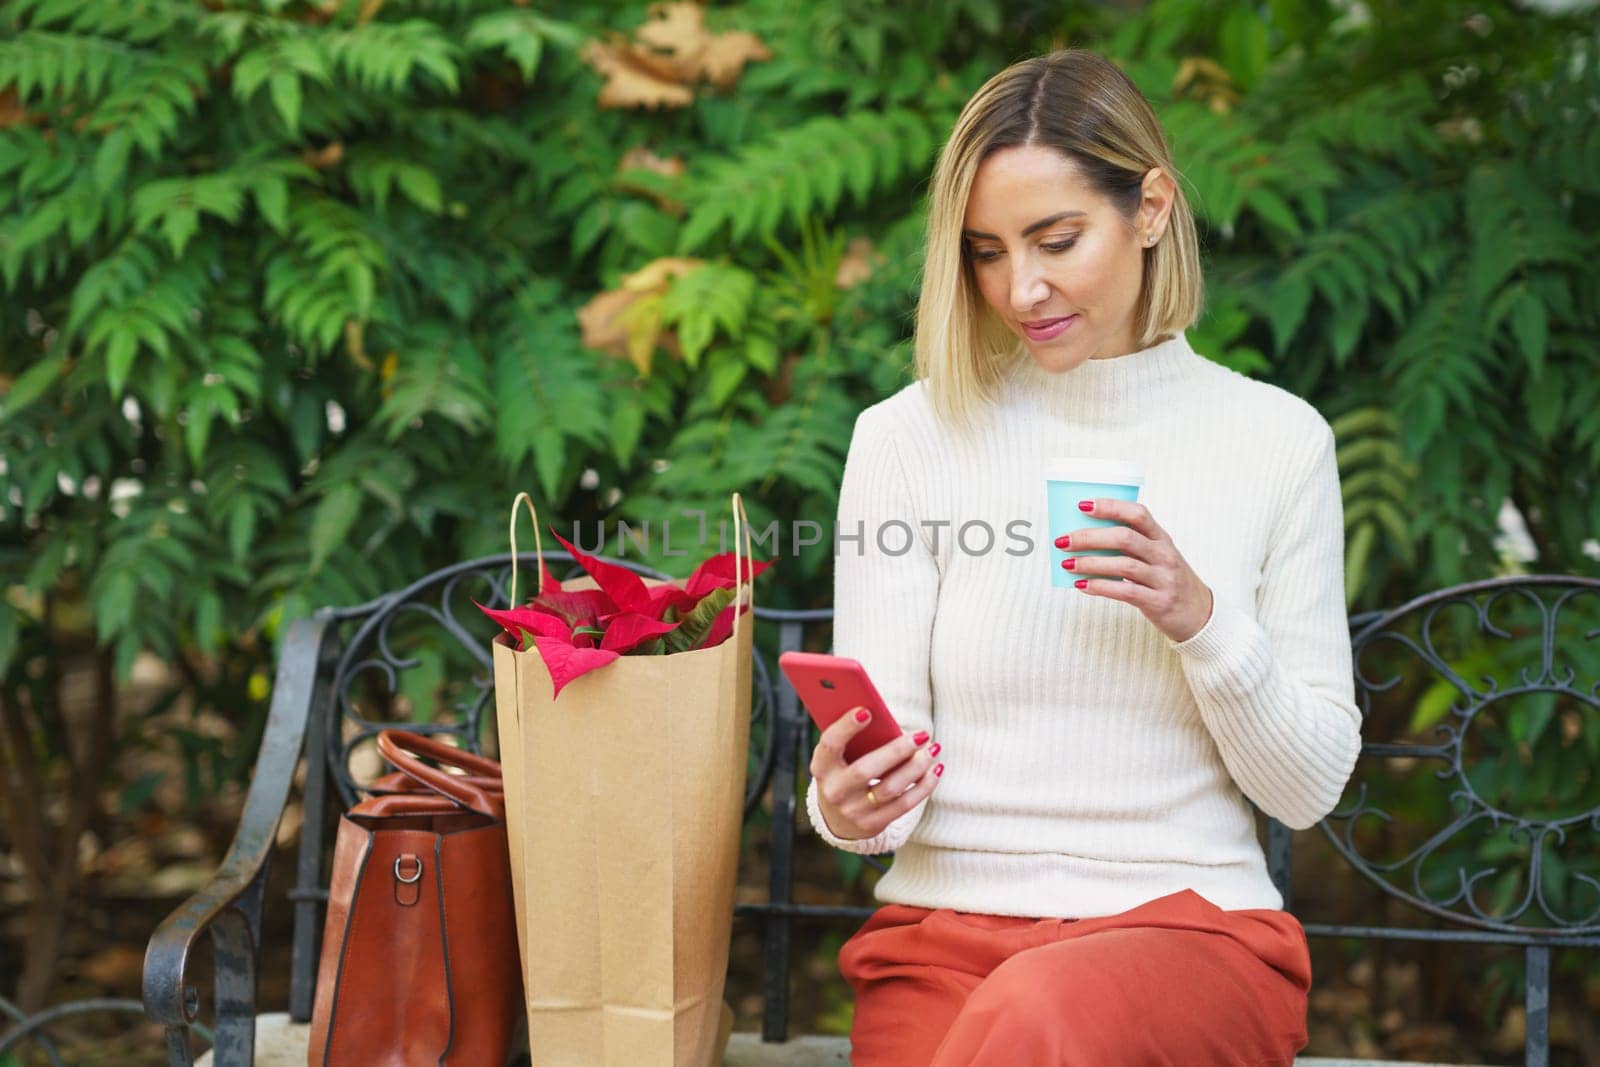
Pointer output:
900, 774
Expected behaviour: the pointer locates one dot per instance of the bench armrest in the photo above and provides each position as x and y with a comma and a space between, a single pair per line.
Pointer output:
298, 684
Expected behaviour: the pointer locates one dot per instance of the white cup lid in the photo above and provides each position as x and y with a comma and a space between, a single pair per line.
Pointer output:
1085, 469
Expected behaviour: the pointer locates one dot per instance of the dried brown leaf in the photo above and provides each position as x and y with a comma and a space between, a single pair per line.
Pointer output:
634, 78
599, 319
12, 113
725, 57
657, 274
644, 159
859, 261
672, 51
322, 158
1207, 81
626, 321
355, 342
678, 28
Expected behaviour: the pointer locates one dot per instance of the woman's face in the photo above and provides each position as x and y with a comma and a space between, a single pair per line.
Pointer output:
1045, 247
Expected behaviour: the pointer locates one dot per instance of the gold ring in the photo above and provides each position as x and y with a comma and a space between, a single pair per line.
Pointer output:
872, 797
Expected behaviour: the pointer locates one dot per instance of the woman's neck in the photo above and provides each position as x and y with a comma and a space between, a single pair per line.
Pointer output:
1107, 388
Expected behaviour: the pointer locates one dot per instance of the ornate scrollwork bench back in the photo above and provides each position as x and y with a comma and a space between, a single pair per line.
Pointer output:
1476, 801
1458, 690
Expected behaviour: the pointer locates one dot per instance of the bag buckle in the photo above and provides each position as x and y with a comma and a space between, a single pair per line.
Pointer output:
406, 890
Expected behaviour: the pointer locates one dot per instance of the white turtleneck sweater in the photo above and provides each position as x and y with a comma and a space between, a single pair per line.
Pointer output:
1092, 764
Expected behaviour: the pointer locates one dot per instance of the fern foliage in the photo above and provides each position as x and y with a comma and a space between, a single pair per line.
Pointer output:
294, 290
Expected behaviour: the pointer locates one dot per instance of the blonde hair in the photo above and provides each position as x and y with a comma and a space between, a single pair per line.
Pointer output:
1082, 105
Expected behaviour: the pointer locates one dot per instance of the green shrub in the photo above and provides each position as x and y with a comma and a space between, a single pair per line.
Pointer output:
292, 290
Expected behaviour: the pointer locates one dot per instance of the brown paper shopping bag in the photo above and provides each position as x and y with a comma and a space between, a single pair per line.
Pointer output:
624, 799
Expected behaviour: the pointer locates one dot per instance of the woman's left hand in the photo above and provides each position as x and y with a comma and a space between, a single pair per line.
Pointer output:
1159, 581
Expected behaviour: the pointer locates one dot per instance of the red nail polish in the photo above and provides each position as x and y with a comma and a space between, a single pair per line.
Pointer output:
1081, 583
919, 737
862, 714
1069, 564
1062, 541
934, 751
1086, 505
939, 770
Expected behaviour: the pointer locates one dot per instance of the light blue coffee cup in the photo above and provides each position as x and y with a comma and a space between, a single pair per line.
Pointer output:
1069, 480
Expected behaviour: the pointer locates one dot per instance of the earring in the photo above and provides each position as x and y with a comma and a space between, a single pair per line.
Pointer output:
1150, 239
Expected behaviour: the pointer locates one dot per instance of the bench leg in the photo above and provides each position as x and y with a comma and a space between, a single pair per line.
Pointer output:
235, 940
1537, 1048
179, 1052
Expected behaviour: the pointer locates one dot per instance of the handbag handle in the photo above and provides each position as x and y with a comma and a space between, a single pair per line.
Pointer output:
393, 804
400, 782
743, 576
402, 747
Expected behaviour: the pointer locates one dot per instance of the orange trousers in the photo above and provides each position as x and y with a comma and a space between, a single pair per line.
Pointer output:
1176, 982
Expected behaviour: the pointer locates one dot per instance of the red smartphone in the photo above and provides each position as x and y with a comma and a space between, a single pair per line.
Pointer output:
830, 686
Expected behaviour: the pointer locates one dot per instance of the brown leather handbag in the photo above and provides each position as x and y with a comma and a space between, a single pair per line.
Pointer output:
419, 951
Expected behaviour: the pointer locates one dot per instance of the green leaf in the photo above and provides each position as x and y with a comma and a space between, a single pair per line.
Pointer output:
10, 635
48, 565
518, 34
1245, 46
241, 531
31, 384
761, 351
695, 625
1530, 716
1275, 210
694, 334
307, 423
421, 188
197, 432
1545, 397
332, 522
111, 160
208, 628
1356, 556
179, 225
1530, 322
272, 200
113, 604
1433, 706
627, 424
284, 88
1290, 299
121, 350
550, 461
728, 369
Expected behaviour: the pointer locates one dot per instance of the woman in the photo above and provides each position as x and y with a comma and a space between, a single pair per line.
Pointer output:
1077, 878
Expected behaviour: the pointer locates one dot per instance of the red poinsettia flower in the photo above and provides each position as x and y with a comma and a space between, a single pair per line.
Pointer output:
718, 573
516, 620
625, 588
579, 630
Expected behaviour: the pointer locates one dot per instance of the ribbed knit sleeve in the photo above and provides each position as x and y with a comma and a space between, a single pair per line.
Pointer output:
886, 587
1276, 691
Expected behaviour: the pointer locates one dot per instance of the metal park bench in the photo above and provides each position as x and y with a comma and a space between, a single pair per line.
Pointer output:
1461, 690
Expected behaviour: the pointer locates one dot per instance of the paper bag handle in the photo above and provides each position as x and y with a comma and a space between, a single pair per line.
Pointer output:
538, 546
743, 576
